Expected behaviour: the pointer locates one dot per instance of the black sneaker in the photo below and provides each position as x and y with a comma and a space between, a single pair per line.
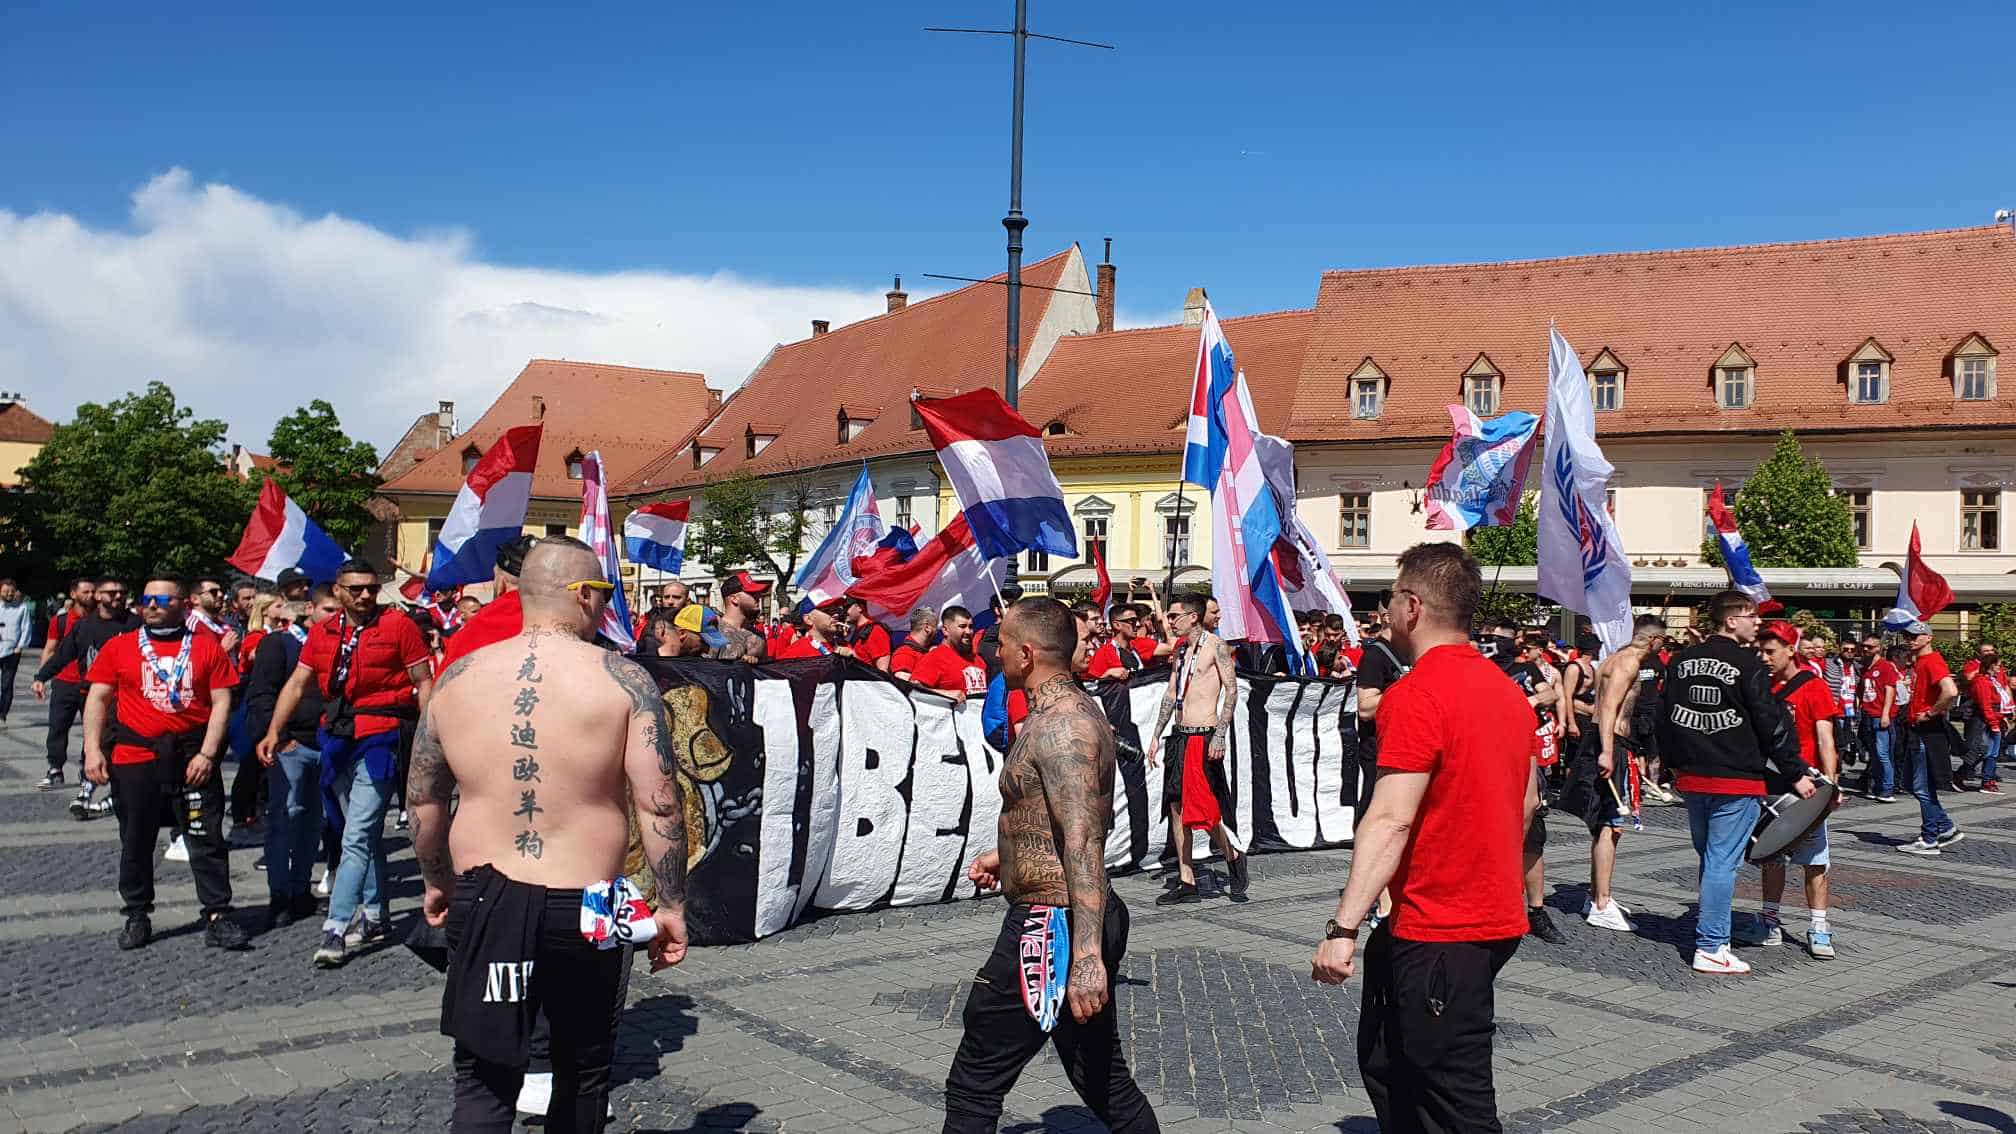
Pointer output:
1184, 894
80, 804
223, 933
138, 932
51, 781
279, 914
1538, 924
304, 906
1241, 876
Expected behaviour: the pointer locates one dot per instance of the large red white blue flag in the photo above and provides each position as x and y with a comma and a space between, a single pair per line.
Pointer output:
655, 535
489, 511
597, 533
1736, 553
1480, 474
1215, 375
948, 570
1000, 473
280, 535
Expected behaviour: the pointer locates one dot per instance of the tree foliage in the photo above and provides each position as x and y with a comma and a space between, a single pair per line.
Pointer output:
324, 471
1510, 545
1789, 515
735, 529
795, 522
128, 489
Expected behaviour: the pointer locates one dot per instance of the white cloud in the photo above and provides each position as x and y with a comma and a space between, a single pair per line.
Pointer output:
248, 309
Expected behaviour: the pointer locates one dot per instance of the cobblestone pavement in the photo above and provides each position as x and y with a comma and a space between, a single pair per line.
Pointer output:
849, 1022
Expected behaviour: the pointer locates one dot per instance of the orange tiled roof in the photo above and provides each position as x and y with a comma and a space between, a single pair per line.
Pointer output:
1129, 391
1799, 310
941, 345
19, 423
630, 414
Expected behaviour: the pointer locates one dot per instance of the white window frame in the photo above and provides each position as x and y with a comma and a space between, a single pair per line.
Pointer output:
1866, 509
1727, 377
1481, 393
1614, 381
1869, 370
1992, 507
1345, 509
1361, 390
1960, 377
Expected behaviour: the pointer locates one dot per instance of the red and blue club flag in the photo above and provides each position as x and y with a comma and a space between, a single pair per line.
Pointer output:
1480, 474
596, 533
830, 571
1921, 593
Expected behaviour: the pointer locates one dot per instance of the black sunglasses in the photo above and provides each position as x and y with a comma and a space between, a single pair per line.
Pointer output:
361, 588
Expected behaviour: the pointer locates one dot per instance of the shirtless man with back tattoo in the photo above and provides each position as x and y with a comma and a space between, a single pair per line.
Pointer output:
1051, 972
540, 735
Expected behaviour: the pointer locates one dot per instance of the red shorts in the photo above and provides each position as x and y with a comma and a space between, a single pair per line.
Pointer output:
1195, 784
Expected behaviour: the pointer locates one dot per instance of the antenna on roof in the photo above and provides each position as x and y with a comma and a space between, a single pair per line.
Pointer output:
538, 408
2006, 216
1015, 222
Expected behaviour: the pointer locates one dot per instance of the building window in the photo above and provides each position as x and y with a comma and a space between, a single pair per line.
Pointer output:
1481, 394
556, 529
916, 419
1977, 379
1354, 515
1055, 429
904, 519
434, 532
1869, 384
1732, 387
1365, 398
1981, 519
469, 458
574, 465
1607, 390
1175, 541
1095, 533
1858, 513
1039, 561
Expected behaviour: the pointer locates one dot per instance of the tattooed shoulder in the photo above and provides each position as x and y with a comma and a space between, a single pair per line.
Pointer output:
455, 669
635, 683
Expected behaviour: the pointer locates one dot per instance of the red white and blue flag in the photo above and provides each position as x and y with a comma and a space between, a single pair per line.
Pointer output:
1204, 437
1581, 560
1000, 473
1480, 474
655, 535
598, 533
1921, 593
1736, 554
948, 570
830, 571
489, 511
280, 535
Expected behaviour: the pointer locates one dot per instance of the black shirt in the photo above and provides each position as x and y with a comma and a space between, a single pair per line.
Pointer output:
1380, 668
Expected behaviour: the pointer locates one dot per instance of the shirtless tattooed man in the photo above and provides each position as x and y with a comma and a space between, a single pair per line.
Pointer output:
1203, 690
1056, 806
538, 735
1617, 762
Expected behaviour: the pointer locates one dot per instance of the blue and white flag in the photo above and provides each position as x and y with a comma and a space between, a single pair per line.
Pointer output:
830, 571
1582, 564
1477, 480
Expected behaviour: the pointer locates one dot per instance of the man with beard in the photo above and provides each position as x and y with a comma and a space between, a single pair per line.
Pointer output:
952, 669
107, 619
741, 602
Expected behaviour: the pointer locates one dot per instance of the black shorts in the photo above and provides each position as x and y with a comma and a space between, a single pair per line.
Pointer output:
1536, 830
1173, 751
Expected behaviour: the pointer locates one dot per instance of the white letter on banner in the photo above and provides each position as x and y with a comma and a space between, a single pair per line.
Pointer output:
1333, 815
876, 734
938, 791
823, 823
983, 774
1145, 702
773, 712
1294, 808
1239, 767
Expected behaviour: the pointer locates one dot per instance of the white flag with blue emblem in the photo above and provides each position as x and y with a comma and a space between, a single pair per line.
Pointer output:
1582, 564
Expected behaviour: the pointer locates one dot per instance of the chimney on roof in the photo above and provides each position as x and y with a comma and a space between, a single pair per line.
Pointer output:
1104, 304
444, 423
898, 298
820, 327
713, 399
1193, 307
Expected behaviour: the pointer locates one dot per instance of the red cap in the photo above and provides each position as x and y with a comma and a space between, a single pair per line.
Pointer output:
743, 583
1783, 631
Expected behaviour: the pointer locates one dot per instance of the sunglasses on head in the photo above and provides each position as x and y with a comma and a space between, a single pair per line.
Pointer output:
157, 600
603, 585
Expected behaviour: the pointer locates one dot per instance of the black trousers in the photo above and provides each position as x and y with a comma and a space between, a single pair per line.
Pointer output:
1001, 1038
9, 665
578, 989
66, 704
248, 786
1424, 1033
146, 797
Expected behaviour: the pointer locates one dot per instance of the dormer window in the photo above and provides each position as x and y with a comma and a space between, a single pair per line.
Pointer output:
754, 442
704, 453
574, 469
852, 421
1481, 385
1867, 373
1368, 391
1606, 382
470, 456
1972, 365
1735, 378
1055, 429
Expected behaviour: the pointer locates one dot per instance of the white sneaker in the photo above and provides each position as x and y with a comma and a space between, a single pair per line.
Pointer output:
1609, 917
1721, 962
322, 891
176, 851
537, 1094
1920, 847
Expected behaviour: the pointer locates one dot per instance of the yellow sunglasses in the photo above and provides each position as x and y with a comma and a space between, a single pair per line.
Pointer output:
591, 585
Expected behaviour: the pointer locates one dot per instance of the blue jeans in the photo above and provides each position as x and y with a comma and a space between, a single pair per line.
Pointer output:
293, 820
1994, 750
358, 875
1927, 761
1881, 778
1721, 826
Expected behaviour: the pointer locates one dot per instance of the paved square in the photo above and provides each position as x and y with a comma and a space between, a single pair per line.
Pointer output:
849, 1023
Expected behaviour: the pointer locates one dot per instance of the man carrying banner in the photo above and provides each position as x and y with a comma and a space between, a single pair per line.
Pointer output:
1203, 690
1056, 805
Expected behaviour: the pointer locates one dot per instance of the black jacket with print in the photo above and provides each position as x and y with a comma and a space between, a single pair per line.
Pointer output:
1717, 718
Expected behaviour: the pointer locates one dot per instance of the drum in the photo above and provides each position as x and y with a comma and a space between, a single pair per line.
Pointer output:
1788, 819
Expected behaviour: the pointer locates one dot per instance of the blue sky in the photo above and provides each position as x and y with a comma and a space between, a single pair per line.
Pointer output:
825, 146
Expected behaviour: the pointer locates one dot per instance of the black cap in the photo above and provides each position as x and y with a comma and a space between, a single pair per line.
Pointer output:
291, 577
511, 557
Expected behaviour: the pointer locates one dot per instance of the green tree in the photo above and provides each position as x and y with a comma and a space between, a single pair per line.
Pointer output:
1789, 515
798, 500
735, 528
323, 470
129, 488
1516, 544
1996, 623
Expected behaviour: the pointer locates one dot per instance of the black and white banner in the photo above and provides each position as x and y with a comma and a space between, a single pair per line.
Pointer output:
823, 784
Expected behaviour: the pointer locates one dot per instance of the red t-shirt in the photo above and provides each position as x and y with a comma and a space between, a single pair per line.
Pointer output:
1450, 717
378, 678
1878, 677
502, 619
1355, 654
804, 646
141, 697
248, 647
60, 625
905, 658
1809, 705
947, 668
1926, 674
871, 646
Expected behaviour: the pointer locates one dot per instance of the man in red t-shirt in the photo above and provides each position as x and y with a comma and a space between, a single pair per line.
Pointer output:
1878, 697
1125, 652
822, 630
1933, 692
1448, 815
1812, 707
869, 641
910, 651
376, 674
163, 693
65, 689
953, 669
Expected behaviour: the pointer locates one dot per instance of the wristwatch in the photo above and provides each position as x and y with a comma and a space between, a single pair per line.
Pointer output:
1332, 931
